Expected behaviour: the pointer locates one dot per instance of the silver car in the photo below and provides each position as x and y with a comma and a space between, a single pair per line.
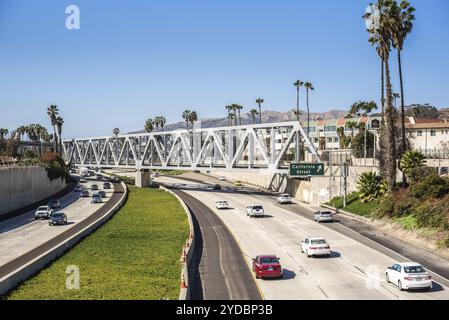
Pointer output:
284, 199
96, 198
43, 212
323, 216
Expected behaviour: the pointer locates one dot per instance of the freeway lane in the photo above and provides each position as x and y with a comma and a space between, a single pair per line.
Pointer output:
355, 270
24, 239
221, 272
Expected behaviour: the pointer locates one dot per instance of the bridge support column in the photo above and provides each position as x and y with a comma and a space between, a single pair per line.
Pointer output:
143, 178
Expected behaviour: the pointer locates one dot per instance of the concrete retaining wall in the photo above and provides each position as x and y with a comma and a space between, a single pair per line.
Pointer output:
22, 186
18, 276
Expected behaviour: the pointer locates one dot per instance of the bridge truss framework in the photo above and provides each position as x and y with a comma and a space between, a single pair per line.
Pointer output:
267, 148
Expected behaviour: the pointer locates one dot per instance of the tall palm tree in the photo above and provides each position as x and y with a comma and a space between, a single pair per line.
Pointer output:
298, 84
352, 125
115, 131
229, 109
185, 116
59, 123
402, 25
193, 117
21, 131
149, 125
157, 122
253, 113
309, 87
53, 112
3, 133
395, 97
239, 108
231, 116
162, 122
259, 101
381, 37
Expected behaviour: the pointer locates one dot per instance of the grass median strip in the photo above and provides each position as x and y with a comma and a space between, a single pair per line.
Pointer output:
133, 256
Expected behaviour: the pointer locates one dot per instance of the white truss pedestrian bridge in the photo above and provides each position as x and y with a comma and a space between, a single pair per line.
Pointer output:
263, 148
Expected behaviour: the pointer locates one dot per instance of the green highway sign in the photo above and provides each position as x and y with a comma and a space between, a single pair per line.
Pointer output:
306, 169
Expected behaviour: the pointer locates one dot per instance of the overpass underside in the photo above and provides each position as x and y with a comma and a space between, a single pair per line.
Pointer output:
265, 148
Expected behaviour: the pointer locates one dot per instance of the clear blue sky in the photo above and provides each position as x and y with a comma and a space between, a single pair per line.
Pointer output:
137, 59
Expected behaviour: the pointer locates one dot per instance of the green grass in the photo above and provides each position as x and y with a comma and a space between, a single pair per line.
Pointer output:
354, 205
407, 222
133, 256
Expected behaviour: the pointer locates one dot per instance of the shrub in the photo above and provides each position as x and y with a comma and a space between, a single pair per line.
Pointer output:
369, 186
433, 213
410, 162
430, 186
396, 204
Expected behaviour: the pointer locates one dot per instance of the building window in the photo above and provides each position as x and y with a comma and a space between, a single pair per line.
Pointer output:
330, 128
316, 140
335, 139
329, 140
419, 133
433, 133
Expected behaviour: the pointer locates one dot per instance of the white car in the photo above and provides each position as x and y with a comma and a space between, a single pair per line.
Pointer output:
284, 199
255, 210
155, 174
408, 275
222, 178
43, 212
315, 246
221, 204
323, 216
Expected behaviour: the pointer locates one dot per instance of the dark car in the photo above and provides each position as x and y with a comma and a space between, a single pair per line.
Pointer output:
99, 177
78, 188
94, 187
102, 193
54, 204
107, 185
217, 187
267, 266
84, 193
58, 218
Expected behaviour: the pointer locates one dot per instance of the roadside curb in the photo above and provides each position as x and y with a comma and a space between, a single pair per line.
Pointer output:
18, 276
184, 293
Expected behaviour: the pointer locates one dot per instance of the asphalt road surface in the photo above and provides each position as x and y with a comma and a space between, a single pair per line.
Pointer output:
22, 238
355, 269
220, 270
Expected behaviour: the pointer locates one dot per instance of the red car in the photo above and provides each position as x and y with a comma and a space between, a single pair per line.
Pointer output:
267, 266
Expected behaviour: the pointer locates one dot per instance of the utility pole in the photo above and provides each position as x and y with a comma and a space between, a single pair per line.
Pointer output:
345, 184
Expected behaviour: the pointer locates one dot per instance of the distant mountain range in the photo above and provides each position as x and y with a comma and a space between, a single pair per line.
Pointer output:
267, 117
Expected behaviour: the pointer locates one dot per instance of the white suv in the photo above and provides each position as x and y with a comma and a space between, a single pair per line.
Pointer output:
255, 210
221, 204
284, 199
43, 212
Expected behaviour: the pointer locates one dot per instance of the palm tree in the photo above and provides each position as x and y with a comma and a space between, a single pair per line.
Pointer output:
341, 137
402, 25
3, 133
59, 123
297, 84
149, 125
193, 117
253, 113
259, 101
395, 97
297, 114
229, 109
308, 86
21, 131
115, 131
53, 112
380, 36
410, 161
236, 108
162, 122
231, 116
156, 123
185, 116
352, 125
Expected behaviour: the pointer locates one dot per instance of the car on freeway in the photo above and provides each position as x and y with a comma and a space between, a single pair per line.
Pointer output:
408, 275
99, 177
57, 218
78, 188
238, 183
284, 198
83, 180
221, 178
255, 210
217, 187
84, 193
54, 204
43, 212
222, 204
155, 174
94, 187
267, 266
96, 198
102, 193
315, 246
323, 216
106, 185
